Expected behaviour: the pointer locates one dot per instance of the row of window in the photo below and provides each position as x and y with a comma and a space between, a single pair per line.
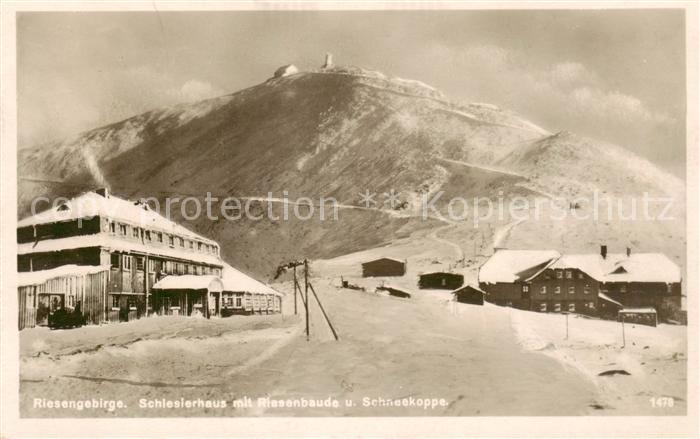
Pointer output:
130, 302
557, 289
125, 262
556, 307
561, 274
155, 236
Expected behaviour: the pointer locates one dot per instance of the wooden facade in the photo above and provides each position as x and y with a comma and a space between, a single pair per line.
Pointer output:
384, 267
562, 290
469, 294
440, 281
641, 316
592, 284
85, 291
247, 303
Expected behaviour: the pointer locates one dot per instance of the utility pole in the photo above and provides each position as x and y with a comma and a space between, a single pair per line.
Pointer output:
623, 331
295, 290
567, 326
306, 295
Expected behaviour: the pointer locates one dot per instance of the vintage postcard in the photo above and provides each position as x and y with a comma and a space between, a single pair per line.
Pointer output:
349, 219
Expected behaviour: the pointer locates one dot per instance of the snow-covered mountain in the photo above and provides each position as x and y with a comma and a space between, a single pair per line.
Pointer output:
341, 131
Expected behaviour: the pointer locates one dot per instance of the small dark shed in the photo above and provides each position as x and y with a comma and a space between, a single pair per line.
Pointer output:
440, 280
469, 294
383, 267
396, 292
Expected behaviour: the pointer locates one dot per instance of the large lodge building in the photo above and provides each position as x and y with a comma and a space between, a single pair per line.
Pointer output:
120, 260
594, 284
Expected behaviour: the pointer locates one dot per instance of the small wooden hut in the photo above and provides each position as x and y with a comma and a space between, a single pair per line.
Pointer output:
469, 294
384, 267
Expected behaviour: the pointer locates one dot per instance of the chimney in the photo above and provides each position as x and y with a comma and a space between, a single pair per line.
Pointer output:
604, 251
329, 61
629, 251
102, 191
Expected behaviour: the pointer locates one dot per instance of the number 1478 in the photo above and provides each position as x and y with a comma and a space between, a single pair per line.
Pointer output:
661, 402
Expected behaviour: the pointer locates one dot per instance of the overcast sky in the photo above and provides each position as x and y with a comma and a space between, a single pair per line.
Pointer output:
612, 75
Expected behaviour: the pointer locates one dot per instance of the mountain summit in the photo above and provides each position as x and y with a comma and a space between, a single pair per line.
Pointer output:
340, 131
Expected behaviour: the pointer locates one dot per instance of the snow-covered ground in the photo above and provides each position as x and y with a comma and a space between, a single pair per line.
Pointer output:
654, 357
481, 360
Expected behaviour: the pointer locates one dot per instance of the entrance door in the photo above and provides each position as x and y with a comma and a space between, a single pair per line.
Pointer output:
165, 305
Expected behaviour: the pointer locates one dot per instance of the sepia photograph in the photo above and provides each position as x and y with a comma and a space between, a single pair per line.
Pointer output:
228, 213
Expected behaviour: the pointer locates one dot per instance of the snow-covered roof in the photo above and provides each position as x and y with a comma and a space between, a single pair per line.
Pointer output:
638, 267
473, 287
609, 299
507, 265
638, 310
441, 272
384, 259
237, 281
91, 204
642, 267
190, 282
26, 278
119, 244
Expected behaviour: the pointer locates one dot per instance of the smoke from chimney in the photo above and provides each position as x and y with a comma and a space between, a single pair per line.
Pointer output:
93, 167
604, 251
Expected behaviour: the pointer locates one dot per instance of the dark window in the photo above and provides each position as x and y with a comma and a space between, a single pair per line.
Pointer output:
115, 301
135, 232
147, 233
192, 244
199, 246
139, 263
115, 260
182, 242
122, 229
112, 227
159, 237
127, 263
171, 240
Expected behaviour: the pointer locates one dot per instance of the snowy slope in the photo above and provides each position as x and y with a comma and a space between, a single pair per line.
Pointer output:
337, 133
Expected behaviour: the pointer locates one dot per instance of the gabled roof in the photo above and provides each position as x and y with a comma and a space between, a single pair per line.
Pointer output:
26, 278
236, 281
384, 259
90, 204
190, 282
618, 267
441, 272
642, 267
469, 286
513, 265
